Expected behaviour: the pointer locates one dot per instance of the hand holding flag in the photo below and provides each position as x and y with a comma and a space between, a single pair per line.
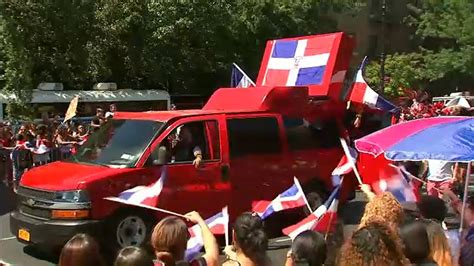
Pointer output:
217, 224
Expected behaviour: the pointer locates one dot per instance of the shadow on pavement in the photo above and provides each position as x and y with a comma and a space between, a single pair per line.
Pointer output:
49, 256
7, 199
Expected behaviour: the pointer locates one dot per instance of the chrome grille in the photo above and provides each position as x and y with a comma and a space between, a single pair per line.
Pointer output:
33, 193
37, 212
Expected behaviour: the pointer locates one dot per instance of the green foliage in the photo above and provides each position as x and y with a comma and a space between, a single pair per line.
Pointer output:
445, 58
403, 71
181, 46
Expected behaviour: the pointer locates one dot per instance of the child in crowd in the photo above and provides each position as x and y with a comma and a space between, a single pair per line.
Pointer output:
133, 256
250, 242
81, 250
169, 240
308, 248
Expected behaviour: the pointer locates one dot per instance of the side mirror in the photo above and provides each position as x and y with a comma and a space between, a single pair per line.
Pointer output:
162, 155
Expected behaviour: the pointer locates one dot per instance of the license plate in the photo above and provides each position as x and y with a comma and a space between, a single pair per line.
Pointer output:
23, 234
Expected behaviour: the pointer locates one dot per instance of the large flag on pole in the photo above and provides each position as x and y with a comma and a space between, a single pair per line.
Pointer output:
239, 79
72, 108
362, 93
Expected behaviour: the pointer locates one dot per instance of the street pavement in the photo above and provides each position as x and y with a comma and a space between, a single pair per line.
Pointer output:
16, 253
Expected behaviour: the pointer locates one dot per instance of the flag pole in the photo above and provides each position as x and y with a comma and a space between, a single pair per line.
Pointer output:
464, 200
245, 74
226, 234
331, 216
144, 206
304, 196
349, 158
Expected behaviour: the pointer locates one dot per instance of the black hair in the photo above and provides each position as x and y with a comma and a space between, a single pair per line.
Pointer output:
133, 256
20, 137
415, 240
250, 237
432, 207
309, 247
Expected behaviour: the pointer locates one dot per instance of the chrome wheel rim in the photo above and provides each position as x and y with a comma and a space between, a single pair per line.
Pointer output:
131, 231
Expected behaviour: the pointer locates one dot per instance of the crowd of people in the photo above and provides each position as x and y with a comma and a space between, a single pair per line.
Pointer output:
389, 233
31, 144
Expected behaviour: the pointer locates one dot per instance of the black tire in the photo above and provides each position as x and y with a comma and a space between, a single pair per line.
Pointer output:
118, 235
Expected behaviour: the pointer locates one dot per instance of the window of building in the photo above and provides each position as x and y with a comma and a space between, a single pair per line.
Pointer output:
248, 136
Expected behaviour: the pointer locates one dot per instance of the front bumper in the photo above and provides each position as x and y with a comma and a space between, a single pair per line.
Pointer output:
51, 233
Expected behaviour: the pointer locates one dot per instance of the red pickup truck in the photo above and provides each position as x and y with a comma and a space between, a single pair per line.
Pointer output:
253, 142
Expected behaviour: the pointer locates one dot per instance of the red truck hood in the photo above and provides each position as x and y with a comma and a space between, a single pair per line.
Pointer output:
59, 176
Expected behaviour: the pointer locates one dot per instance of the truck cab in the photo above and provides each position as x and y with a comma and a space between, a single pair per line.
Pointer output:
253, 142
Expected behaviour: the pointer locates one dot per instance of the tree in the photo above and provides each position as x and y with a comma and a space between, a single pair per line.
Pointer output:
445, 57
180, 46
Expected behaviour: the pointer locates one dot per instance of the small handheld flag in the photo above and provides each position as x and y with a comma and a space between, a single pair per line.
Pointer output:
218, 224
322, 219
291, 198
396, 183
362, 93
239, 79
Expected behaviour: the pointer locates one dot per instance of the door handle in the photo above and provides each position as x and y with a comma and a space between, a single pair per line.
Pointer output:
225, 173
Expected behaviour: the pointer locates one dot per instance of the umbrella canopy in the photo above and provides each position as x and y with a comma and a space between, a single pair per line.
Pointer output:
446, 138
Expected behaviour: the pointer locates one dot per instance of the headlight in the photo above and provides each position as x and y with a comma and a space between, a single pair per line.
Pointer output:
72, 196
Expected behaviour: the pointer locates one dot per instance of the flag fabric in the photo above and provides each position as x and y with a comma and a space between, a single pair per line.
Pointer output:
72, 108
362, 93
296, 62
218, 224
291, 198
144, 195
344, 167
321, 220
398, 183
239, 79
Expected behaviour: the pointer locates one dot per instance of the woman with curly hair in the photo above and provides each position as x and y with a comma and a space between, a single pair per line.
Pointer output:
382, 207
371, 245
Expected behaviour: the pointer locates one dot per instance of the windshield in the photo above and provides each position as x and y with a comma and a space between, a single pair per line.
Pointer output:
118, 143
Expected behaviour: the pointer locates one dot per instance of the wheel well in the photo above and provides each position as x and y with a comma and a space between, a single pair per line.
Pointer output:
315, 192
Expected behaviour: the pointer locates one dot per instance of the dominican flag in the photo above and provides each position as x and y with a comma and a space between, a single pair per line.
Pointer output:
362, 93
143, 195
397, 182
296, 62
344, 167
292, 198
239, 79
218, 224
321, 220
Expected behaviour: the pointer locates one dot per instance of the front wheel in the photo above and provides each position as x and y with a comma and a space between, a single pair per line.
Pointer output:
129, 228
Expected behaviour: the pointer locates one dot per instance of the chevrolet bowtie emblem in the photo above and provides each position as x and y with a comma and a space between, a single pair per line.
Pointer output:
30, 202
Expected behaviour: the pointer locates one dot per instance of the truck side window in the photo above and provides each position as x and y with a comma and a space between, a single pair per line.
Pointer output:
259, 135
185, 139
321, 134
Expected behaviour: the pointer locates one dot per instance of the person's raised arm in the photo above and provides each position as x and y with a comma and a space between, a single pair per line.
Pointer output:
211, 247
